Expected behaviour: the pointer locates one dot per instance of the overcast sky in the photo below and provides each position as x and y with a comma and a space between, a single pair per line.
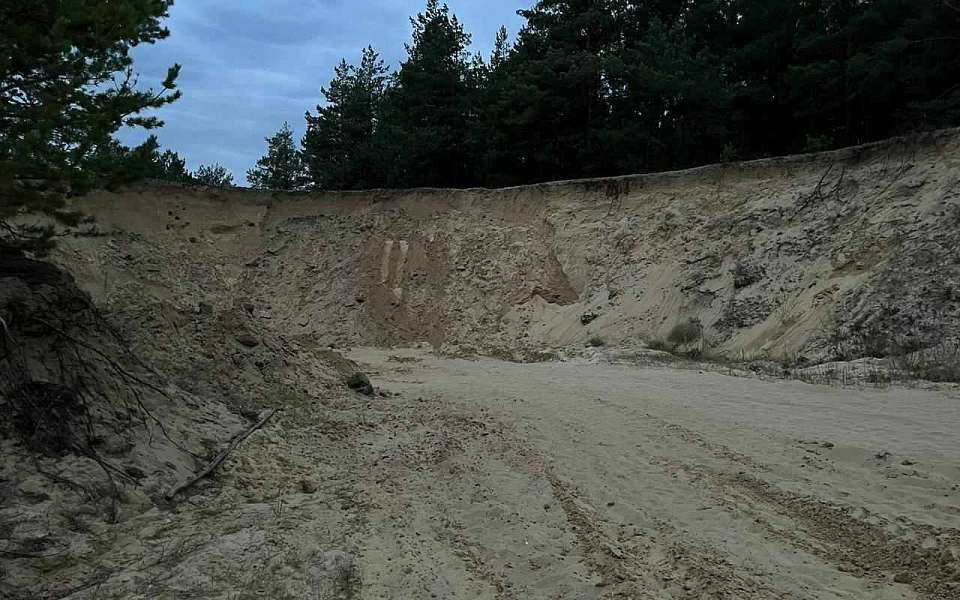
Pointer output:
250, 65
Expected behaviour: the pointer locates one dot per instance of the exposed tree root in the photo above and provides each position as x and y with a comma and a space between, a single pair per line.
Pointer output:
63, 381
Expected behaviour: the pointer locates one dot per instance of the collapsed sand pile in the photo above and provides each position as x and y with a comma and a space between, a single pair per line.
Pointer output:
829, 256
106, 412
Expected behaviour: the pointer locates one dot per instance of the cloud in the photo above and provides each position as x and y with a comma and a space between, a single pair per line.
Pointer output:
250, 65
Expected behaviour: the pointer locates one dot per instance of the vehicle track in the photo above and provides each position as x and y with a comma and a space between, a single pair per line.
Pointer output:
660, 495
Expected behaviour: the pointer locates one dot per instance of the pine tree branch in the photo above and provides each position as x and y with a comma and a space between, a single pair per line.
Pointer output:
206, 471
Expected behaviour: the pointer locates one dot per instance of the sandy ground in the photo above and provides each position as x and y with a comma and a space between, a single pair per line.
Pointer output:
566, 480
562, 480
487, 479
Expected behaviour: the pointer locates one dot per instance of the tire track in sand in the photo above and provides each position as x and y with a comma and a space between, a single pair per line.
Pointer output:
929, 561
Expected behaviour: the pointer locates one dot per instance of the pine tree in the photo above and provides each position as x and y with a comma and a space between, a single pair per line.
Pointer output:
282, 167
338, 146
667, 103
556, 105
501, 49
215, 175
604, 87
431, 105
930, 69
169, 166
493, 155
66, 85
866, 70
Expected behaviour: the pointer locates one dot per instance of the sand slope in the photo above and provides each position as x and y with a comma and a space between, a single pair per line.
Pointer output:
840, 254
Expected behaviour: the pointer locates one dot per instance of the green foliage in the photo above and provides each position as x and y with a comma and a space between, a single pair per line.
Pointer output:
282, 167
169, 166
215, 175
818, 143
729, 153
605, 87
338, 147
66, 85
117, 164
428, 110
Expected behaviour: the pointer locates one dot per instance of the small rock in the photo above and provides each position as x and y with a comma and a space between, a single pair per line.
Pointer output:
907, 462
903, 577
248, 340
247, 412
135, 472
615, 551
308, 486
827, 444
359, 382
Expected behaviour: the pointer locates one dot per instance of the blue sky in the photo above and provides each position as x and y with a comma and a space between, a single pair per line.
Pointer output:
250, 65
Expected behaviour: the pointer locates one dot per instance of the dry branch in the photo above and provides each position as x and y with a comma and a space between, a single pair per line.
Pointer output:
216, 462
127, 375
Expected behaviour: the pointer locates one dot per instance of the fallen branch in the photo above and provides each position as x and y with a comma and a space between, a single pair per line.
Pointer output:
216, 462
817, 193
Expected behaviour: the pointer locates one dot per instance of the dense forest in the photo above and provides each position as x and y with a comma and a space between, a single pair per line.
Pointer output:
605, 87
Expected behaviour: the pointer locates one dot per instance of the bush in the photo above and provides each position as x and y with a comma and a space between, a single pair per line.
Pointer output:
685, 332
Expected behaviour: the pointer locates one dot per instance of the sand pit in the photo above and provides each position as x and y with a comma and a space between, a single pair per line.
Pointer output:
606, 470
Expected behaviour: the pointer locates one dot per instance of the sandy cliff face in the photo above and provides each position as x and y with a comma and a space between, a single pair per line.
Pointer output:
848, 253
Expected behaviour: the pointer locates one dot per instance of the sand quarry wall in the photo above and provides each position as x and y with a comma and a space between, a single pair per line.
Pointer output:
840, 252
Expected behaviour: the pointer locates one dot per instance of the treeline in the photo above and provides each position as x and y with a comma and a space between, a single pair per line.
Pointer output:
606, 87
146, 161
